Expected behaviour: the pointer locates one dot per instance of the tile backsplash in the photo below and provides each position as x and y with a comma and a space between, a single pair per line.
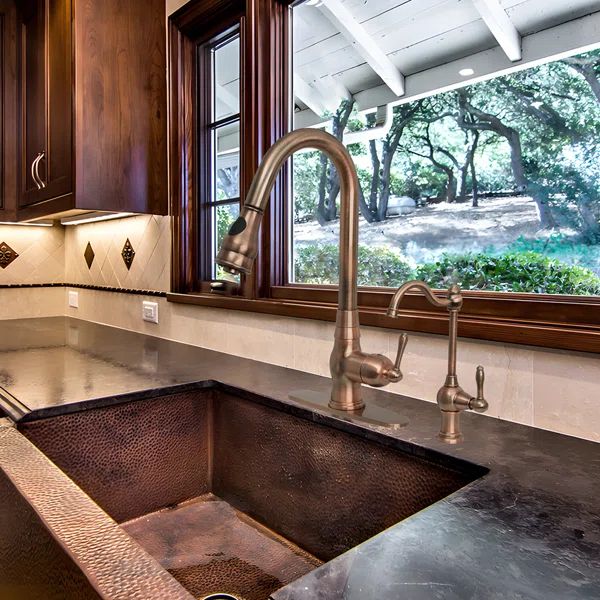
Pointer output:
150, 239
41, 254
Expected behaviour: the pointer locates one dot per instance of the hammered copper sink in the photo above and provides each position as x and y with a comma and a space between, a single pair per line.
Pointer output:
239, 496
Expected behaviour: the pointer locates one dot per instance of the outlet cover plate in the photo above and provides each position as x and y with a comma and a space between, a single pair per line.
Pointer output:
150, 311
74, 299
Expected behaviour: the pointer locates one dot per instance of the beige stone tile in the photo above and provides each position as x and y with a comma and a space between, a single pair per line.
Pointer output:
566, 393
260, 337
24, 303
312, 344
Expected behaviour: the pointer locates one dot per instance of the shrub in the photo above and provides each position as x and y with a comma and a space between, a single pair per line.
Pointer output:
511, 272
318, 264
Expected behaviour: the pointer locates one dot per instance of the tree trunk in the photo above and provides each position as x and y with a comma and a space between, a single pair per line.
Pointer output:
474, 182
364, 208
468, 164
321, 210
451, 186
523, 185
591, 226
587, 68
329, 183
384, 194
375, 180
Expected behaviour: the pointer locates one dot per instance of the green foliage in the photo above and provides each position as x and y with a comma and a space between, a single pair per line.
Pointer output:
318, 264
511, 272
226, 215
306, 175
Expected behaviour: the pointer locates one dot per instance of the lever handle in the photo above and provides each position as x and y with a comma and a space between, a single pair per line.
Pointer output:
401, 348
395, 374
480, 378
479, 403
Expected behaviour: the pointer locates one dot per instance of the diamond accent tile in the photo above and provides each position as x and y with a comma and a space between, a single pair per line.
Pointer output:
89, 255
7, 255
128, 254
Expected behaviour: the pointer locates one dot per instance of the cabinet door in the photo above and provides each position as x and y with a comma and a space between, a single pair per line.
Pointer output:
46, 102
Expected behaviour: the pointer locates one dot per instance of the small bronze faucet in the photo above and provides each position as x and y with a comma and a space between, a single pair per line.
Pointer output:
350, 367
451, 398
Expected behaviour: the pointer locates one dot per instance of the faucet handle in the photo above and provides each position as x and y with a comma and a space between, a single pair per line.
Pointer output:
395, 374
479, 403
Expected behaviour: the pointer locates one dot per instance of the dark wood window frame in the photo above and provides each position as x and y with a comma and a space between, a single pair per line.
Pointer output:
563, 322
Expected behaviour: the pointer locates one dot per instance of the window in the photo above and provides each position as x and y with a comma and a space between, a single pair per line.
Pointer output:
472, 170
220, 164
494, 185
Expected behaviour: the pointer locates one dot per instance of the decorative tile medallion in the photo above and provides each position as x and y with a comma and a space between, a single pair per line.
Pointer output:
7, 255
128, 254
89, 255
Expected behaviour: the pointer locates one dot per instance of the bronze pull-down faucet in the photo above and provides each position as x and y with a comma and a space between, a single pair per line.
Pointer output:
451, 398
349, 365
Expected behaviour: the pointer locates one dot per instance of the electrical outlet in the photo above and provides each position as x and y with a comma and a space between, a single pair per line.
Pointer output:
150, 311
74, 299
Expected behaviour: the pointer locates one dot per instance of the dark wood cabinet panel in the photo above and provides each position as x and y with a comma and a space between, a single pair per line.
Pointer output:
8, 110
46, 107
93, 107
121, 125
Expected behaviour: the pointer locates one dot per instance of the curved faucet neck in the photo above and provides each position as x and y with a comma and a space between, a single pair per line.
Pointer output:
264, 180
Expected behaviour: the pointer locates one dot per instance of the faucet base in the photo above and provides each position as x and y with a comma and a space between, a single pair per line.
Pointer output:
346, 396
450, 429
371, 413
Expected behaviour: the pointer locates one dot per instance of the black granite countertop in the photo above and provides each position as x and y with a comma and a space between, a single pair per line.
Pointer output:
529, 529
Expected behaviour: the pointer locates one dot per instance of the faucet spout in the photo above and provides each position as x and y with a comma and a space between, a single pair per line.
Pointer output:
454, 298
349, 366
240, 246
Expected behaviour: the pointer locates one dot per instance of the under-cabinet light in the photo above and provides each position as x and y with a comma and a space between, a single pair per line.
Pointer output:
43, 223
94, 217
466, 72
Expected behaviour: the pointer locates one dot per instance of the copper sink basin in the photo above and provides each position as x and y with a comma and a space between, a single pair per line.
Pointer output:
236, 496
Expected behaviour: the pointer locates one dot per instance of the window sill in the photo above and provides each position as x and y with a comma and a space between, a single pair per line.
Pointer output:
527, 331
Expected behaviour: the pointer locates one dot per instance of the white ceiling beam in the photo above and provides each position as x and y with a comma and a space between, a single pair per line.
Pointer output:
225, 96
364, 44
309, 95
332, 92
502, 28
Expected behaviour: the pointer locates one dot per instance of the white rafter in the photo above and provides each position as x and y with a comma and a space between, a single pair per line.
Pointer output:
225, 96
364, 44
332, 90
501, 26
309, 95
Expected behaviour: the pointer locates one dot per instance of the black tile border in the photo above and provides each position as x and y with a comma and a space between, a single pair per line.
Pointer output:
98, 288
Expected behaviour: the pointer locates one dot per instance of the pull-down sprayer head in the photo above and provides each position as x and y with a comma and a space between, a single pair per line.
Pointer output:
240, 246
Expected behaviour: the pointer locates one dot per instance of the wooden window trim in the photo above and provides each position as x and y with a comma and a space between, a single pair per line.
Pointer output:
561, 322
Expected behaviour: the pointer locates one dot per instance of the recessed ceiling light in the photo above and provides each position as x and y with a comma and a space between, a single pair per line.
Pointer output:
466, 72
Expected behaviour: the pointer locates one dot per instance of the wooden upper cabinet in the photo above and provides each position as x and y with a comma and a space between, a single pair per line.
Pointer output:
93, 107
46, 101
